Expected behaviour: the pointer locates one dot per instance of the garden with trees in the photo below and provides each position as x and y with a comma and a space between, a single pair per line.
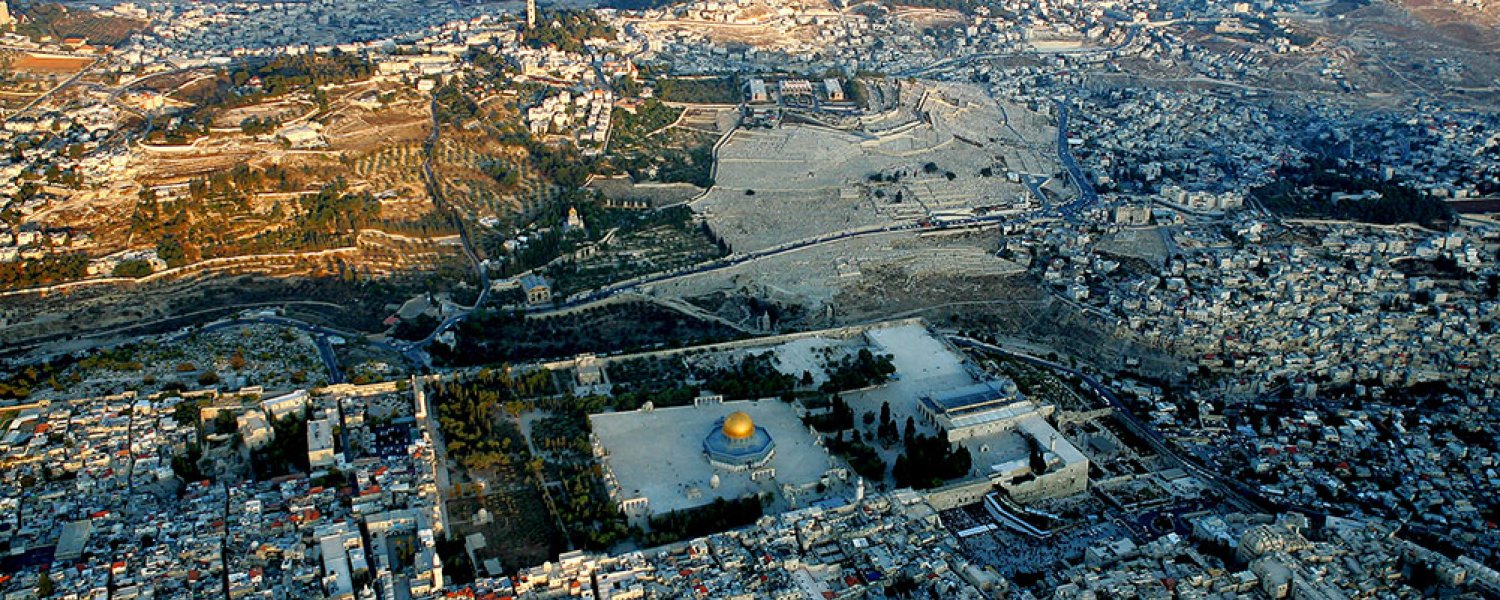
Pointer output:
699, 90
929, 461
577, 493
644, 146
488, 445
491, 337
47, 270
861, 370
566, 30
1306, 190
217, 218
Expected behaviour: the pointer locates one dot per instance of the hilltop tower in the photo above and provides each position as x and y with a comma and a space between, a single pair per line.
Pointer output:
5, 19
530, 14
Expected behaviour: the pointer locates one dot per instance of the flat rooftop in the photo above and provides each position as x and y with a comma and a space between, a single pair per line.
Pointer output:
968, 399
658, 454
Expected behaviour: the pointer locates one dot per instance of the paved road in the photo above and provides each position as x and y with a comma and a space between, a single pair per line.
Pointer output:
1034, 184
330, 360
414, 350
1087, 197
101, 339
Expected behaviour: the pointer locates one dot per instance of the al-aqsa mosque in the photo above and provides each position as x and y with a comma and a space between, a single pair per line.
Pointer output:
736, 443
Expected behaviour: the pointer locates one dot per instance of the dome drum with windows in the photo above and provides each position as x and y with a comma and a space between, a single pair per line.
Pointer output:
736, 443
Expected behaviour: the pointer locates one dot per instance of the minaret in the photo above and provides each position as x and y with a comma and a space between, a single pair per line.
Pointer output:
5, 14
530, 14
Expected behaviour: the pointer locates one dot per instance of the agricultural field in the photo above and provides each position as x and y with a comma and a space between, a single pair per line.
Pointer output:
61, 22
490, 167
223, 181
483, 177
46, 63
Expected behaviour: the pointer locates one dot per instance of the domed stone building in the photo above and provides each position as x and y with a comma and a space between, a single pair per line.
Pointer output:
659, 460
736, 443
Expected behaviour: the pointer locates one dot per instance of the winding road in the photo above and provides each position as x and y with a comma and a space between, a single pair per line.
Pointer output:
1087, 197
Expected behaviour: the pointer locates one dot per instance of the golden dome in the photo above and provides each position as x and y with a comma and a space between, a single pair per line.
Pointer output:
738, 426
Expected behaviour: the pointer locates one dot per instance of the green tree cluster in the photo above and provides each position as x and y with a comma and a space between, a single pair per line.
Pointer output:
696, 522
132, 268
754, 377
1306, 191
467, 410
864, 369
929, 461
839, 417
862, 457
47, 270
259, 125
286, 73
496, 336
453, 105
566, 30
699, 90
